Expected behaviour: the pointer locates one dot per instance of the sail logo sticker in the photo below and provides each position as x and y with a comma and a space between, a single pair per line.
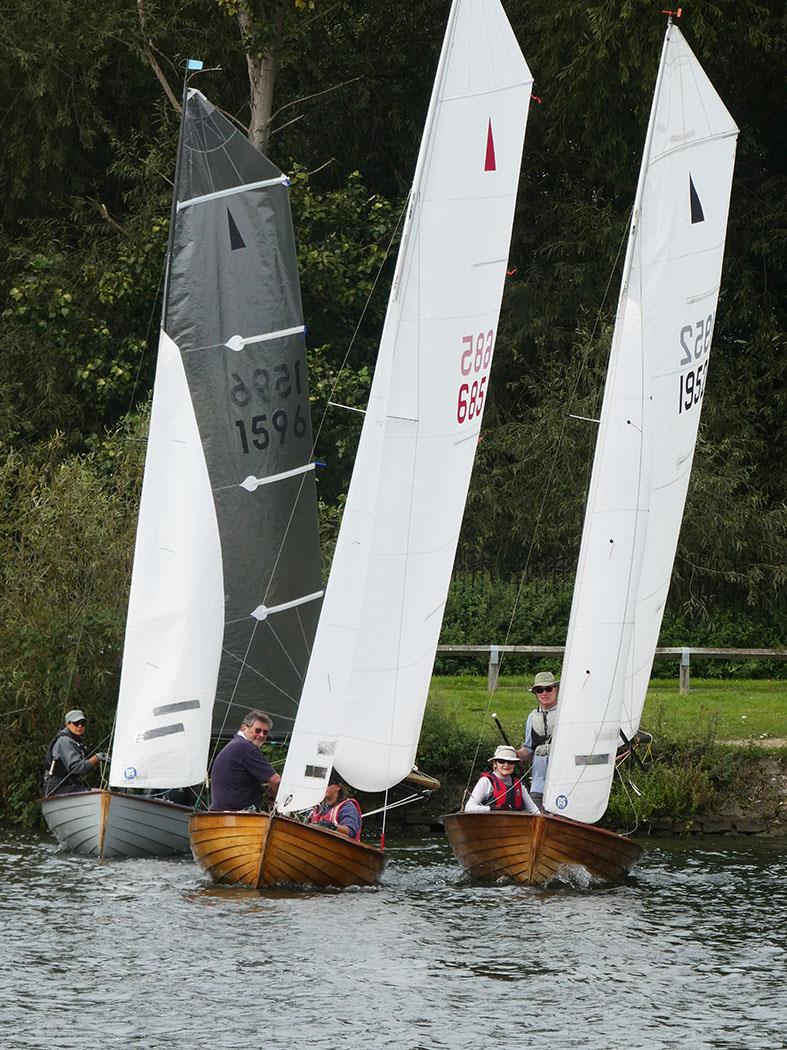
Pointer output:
561, 802
130, 773
490, 164
697, 214
236, 241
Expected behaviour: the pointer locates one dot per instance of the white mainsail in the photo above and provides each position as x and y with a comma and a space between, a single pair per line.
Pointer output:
368, 679
650, 414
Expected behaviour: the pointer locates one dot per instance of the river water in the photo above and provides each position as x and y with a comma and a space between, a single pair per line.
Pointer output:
146, 954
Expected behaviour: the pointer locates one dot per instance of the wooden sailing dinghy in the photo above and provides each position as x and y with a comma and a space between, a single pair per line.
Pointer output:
111, 824
226, 584
261, 849
368, 678
648, 430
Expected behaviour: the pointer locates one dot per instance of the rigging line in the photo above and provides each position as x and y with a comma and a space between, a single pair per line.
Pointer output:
283, 648
303, 632
244, 666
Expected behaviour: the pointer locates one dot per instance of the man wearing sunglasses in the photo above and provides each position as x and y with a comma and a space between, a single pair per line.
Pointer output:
539, 728
241, 772
66, 763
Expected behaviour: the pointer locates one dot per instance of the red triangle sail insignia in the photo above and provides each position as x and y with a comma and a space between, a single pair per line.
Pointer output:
489, 163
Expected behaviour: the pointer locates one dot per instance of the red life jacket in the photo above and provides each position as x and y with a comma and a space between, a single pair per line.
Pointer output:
332, 815
503, 796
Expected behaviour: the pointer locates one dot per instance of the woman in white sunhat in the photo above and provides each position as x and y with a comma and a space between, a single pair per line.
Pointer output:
502, 788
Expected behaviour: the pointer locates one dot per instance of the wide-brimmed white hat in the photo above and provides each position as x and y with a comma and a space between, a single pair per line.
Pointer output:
545, 679
504, 753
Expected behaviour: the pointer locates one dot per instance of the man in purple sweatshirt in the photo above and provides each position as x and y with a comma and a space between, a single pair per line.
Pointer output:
240, 772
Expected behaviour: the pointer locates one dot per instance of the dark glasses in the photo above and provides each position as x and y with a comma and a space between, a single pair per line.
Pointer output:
261, 732
81, 722
543, 688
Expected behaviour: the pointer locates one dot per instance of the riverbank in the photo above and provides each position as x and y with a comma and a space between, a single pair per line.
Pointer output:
701, 776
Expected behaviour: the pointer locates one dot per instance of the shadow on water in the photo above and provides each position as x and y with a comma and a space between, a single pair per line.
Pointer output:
689, 952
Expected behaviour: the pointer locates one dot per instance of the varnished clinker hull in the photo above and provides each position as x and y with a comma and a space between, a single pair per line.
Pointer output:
111, 824
533, 848
255, 849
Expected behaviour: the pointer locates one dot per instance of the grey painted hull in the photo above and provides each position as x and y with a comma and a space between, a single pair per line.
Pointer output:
110, 824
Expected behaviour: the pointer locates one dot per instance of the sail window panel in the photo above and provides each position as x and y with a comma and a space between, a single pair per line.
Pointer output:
216, 154
485, 52
689, 107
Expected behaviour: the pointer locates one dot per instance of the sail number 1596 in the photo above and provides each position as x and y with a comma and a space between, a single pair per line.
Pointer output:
475, 359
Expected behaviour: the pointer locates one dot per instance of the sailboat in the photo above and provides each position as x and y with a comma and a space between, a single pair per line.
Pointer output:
226, 585
650, 414
368, 678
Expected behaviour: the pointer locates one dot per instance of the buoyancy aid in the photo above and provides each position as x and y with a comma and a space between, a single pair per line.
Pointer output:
55, 772
543, 726
331, 816
503, 795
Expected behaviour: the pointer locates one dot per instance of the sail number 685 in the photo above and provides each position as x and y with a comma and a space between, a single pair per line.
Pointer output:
476, 357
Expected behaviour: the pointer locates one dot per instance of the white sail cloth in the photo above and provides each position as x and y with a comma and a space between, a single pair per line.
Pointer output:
650, 414
368, 679
175, 622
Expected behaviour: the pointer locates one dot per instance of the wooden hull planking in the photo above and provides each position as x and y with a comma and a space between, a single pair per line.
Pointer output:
533, 849
109, 824
255, 849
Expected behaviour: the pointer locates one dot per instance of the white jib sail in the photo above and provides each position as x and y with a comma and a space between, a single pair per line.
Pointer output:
176, 606
368, 678
649, 419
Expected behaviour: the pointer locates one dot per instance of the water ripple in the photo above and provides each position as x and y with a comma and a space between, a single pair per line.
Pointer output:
690, 952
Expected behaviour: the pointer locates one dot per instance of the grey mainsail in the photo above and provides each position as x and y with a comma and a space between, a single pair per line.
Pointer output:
226, 589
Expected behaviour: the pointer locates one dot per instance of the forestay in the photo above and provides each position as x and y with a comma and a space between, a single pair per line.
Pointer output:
226, 588
367, 682
655, 384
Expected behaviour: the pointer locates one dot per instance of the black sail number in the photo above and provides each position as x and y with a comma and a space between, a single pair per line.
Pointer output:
273, 388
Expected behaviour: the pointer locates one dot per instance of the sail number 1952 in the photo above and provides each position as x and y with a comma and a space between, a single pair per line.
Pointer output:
695, 342
475, 359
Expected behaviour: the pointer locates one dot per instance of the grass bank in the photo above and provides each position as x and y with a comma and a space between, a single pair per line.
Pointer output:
752, 709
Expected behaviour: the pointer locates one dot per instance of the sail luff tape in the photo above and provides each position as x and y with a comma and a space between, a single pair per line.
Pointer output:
282, 180
251, 483
237, 342
262, 612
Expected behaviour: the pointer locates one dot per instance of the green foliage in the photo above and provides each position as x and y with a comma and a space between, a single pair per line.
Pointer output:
75, 331
448, 749
65, 550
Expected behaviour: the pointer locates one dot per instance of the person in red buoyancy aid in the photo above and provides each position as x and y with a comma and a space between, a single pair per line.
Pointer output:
337, 813
502, 788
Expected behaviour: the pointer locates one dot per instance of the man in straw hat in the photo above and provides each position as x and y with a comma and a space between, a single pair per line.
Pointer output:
539, 727
502, 788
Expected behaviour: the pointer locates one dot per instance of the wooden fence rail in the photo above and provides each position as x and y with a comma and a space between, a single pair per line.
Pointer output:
684, 652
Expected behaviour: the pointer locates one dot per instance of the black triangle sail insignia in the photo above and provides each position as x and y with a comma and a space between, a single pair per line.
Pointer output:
236, 241
697, 214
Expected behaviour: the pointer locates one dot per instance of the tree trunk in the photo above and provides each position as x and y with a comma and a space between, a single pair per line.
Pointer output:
262, 65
